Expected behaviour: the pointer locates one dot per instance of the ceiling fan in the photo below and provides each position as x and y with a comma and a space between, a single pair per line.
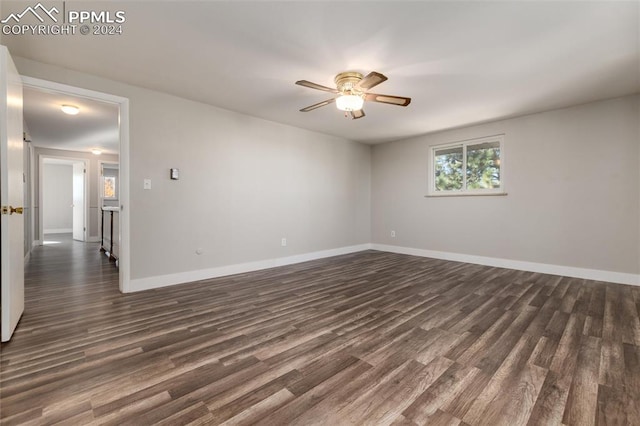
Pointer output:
351, 91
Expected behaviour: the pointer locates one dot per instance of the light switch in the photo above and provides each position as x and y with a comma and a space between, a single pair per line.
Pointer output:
147, 184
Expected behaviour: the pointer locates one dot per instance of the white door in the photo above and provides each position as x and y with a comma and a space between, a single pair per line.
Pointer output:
78, 201
11, 196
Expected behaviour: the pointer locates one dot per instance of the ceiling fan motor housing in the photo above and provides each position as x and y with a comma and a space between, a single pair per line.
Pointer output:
347, 81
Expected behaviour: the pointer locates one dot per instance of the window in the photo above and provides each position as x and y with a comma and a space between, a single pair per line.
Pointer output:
109, 187
473, 167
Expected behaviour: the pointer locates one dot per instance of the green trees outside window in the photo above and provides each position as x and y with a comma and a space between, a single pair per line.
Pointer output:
470, 166
483, 166
449, 174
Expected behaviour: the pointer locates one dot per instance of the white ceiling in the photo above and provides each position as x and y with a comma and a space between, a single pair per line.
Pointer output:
94, 127
461, 62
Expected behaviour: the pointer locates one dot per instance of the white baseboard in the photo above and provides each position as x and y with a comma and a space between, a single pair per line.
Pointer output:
37, 243
567, 271
148, 283
93, 239
58, 231
159, 281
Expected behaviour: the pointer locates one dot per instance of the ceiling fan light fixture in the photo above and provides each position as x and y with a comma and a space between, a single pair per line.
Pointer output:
70, 109
352, 89
349, 102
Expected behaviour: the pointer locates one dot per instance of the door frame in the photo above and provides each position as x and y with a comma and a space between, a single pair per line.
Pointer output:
124, 261
85, 207
85, 201
30, 237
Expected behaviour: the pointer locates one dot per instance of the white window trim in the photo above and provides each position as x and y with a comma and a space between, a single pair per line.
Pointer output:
431, 192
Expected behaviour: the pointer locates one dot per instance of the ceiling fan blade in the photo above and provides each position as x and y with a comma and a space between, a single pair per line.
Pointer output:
387, 99
318, 105
371, 80
311, 85
357, 114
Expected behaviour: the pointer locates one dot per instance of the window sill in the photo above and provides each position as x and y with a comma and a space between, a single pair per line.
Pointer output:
467, 194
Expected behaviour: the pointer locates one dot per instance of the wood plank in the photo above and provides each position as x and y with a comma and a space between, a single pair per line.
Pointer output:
308, 400
364, 338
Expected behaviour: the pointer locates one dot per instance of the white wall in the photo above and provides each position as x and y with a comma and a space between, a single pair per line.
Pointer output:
573, 192
245, 183
57, 198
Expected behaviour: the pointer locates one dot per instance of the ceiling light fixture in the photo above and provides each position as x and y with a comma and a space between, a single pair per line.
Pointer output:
70, 109
349, 102
96, 151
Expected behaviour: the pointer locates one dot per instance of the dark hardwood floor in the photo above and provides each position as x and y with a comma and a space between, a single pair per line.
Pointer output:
366, 338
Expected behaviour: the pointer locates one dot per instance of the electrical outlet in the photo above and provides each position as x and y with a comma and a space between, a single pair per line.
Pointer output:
393, 234
284, 242
146, 184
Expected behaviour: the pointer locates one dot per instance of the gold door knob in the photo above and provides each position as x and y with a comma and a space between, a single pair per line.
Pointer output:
18, 210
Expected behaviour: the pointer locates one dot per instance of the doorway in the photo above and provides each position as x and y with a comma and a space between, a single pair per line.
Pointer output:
63, 197
84, 155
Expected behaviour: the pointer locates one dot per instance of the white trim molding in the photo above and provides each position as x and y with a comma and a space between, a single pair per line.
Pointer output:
58, 231
159, 281
545, 268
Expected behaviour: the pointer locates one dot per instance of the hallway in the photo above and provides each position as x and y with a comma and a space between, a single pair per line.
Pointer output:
70, 287
67, 283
